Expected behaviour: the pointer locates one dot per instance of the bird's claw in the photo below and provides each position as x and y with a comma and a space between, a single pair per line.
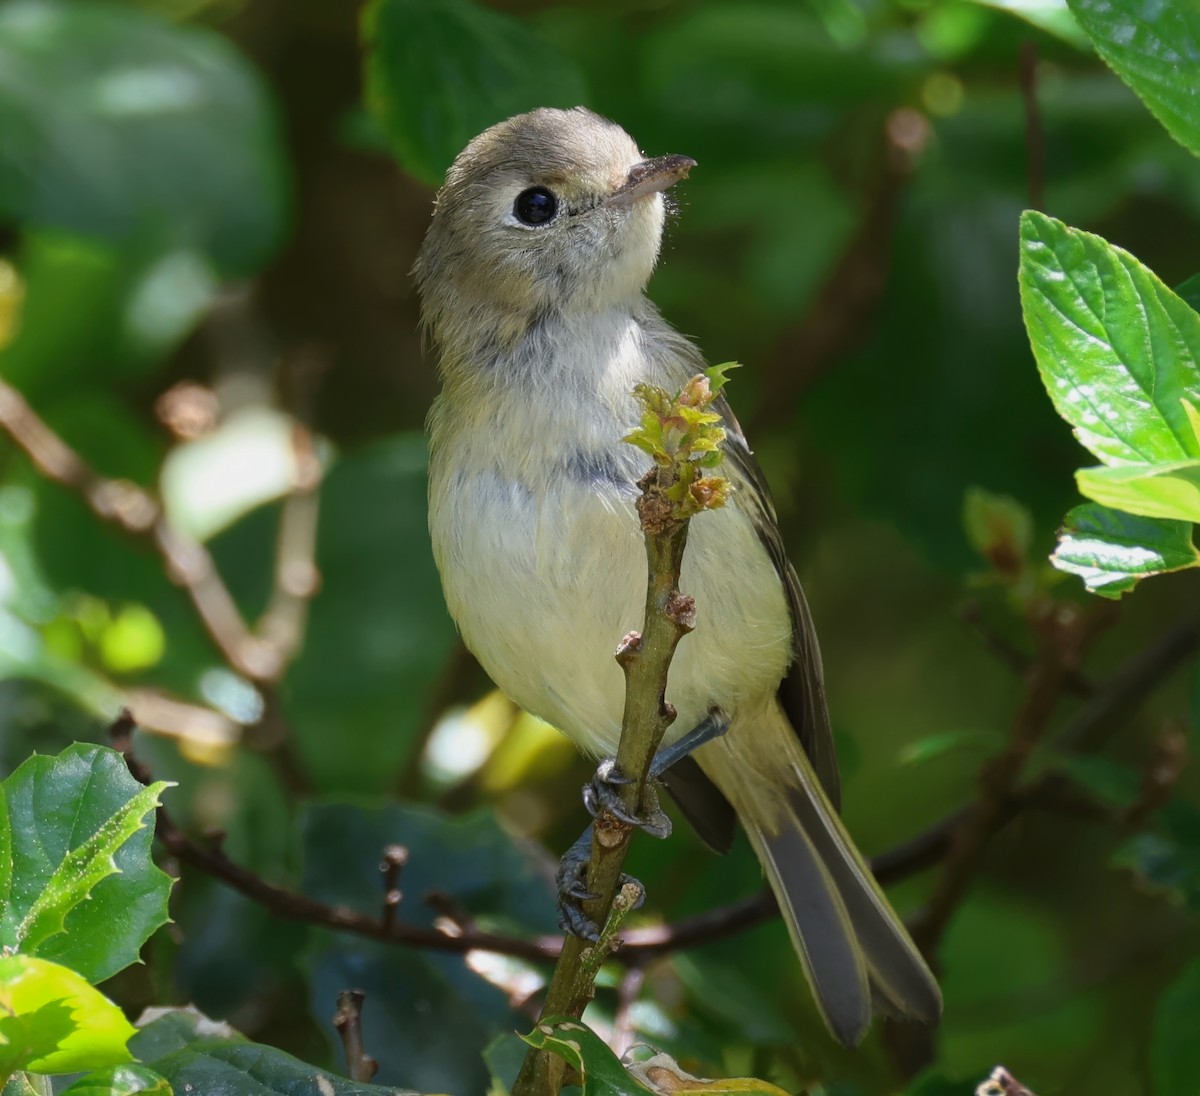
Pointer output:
600, 796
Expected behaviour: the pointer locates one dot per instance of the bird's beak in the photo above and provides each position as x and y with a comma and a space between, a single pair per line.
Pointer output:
649, 177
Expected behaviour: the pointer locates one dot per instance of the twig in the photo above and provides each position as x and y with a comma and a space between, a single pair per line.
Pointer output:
347, 1020
291, 906
262, 658
132, 508
394, 859
1011, 655
1035, 141
672, 491
1085, 732
837, 319
1063, 634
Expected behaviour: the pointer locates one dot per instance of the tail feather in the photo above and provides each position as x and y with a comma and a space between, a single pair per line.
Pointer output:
856, 952
898, 973
821, 930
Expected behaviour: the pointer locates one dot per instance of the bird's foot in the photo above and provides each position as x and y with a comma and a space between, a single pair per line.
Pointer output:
602, 795
572, 890
711, 727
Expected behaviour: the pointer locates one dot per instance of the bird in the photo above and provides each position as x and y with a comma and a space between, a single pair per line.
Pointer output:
532, 278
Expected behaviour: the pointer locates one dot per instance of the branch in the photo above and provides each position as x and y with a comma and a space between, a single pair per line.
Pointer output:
1087, 731
261, 657
1063, 633
838, 317
1035, 141
683, 436
187, 563
348, 1022
288, 905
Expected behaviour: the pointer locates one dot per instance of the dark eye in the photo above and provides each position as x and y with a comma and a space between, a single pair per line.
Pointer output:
535, 206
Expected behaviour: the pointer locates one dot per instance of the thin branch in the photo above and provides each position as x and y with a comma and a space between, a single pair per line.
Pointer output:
838, 317
187, 563
360, 1066
1035, 139
292, 906
264, 657
1087, 731
1063, 633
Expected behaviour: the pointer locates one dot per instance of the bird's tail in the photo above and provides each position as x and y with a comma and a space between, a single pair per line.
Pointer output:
856, 952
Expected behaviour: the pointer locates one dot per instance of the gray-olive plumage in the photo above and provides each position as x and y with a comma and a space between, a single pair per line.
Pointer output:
532, 280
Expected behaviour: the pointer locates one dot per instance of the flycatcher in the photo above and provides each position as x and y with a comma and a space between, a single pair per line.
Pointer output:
532, 280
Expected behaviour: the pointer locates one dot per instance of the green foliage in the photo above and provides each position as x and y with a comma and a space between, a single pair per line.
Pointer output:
851, 233
604, 1074
131, 89
52, 1021
76, 877
1120, 356
123, 1080
194, 1054
1175, 1061
1111, 550
1150, 46
438, 74
684, 436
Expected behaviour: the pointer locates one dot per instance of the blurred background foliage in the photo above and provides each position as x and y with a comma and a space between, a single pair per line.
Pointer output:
208, 209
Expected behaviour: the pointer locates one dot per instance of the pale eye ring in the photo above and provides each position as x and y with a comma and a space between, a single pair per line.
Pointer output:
535, 206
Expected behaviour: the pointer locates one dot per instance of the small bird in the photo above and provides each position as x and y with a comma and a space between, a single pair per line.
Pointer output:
532, 279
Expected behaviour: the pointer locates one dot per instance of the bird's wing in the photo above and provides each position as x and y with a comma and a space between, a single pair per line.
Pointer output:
802, 691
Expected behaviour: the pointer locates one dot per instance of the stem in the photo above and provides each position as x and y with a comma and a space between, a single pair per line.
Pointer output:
645, 659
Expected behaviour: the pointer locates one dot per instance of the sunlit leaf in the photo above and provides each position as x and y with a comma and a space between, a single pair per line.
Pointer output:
580, 1047
1117, 349
1170, 491
1048, 15
123, 1080
77, 883
52, 1021
1155, 48
1111, 550
438, 74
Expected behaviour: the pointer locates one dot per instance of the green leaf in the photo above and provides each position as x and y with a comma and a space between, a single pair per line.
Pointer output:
1052, 16
579, 1046
206, 1057
438, 74
604, 1074
77, 884
1170, 491
1174, 1049
52, 1021
1117, 350
153, 130
1111, 550
999, 528
124, 1080
1167, 858
1155, 48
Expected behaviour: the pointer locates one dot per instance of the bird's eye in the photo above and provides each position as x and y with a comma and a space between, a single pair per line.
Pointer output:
535, 206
